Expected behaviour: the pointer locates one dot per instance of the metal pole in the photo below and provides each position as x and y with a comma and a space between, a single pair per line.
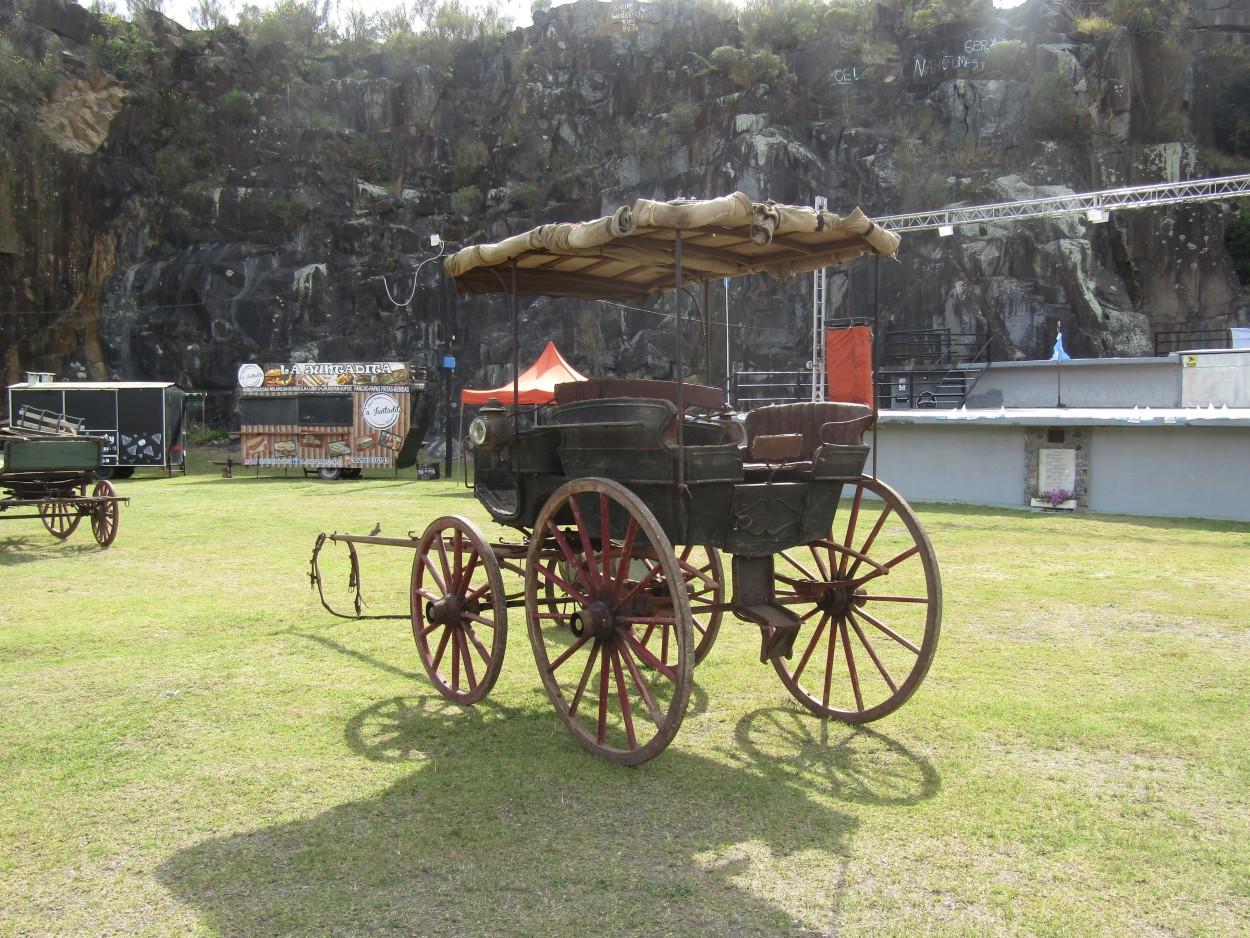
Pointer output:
818, 320
446, 298
728, 360
876, 318
705, 321
681, 390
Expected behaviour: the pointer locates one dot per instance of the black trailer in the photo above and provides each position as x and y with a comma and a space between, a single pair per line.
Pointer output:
140, 423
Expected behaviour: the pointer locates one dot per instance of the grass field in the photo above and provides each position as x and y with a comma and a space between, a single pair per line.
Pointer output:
191, 745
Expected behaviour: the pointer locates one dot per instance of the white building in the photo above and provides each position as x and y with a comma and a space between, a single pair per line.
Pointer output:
1155, 436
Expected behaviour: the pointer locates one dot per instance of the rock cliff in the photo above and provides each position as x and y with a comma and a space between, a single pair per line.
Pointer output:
176, 202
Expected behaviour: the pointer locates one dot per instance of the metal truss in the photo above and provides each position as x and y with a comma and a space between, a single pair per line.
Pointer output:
1094, 205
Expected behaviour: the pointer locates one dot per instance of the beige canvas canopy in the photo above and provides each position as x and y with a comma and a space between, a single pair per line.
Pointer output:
632, 253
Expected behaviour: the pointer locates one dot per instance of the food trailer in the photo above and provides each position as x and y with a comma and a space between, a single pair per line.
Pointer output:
140, 423
332, 418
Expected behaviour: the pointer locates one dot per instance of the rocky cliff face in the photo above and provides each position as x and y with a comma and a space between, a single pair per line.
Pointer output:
174, 203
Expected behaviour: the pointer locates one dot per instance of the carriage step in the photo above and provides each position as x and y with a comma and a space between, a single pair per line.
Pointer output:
778, 628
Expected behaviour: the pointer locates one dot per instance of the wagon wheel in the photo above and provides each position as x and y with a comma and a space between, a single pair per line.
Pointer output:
704, 575
589, 605
870, 598
104, 514
459, 610
59, 516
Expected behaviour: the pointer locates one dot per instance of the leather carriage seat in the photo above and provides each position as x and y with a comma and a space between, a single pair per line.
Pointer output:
788, 434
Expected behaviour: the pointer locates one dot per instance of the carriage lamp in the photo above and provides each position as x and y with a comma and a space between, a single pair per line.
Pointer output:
491, 429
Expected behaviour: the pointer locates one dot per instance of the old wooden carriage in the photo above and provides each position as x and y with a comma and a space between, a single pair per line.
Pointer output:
46, 466
627, 494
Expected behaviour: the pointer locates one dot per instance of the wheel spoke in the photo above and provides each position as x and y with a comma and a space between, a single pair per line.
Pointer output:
440, 580
622, 694
462, 648
863, 640
573, 562
850, 667
644, 691
603, 693
869, 617
593, 579
641, 651
811, 645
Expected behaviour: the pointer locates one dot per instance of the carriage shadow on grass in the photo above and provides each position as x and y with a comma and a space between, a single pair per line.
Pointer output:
503, 829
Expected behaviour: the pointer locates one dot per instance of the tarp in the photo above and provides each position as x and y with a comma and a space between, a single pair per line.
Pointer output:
633, 252
848, 364
537, 384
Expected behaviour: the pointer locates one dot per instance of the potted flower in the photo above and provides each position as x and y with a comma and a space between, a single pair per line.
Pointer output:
1055, 500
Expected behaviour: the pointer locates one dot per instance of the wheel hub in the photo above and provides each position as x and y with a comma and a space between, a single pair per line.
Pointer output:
838, 600
594, 620
443, 611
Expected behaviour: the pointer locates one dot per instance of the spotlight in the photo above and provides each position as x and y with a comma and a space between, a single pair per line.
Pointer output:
1097, 216
945, 231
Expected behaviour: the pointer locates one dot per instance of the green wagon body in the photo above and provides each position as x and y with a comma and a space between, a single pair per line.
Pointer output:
52, 454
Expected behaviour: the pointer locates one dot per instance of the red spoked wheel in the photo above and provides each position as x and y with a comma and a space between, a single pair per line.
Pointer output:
601, 583
870, 598
105, 514
704, 576
60, 516
459, 610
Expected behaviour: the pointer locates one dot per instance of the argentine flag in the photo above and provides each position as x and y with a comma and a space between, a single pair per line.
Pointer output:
1059, 355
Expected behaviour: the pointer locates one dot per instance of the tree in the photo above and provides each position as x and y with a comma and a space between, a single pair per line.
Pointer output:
140, 8
208, 14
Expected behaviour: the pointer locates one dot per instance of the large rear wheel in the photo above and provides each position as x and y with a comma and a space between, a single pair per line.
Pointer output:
602, 584
459, 611
870, 599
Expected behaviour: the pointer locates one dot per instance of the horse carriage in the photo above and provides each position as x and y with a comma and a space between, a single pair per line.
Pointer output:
628, 497
46, 465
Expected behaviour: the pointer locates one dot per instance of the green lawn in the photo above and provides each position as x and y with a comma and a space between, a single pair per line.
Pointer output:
192, 745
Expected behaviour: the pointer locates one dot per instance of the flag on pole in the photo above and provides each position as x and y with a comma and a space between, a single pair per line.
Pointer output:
1059, 355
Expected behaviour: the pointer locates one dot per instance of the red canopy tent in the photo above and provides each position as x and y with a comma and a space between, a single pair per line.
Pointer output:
536, 385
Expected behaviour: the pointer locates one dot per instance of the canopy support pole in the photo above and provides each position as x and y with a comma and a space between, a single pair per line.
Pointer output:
516, 354
876, 319
681, 388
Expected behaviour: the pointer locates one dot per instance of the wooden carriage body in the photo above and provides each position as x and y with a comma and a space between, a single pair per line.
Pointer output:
749, 488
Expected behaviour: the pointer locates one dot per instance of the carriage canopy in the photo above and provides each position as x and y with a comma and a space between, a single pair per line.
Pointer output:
632, 253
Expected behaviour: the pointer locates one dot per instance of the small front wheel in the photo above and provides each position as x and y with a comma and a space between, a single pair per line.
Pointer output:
329, 474
105, 514
459, 610
870, 600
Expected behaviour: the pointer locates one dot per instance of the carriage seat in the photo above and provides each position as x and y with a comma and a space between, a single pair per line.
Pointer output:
783, 438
